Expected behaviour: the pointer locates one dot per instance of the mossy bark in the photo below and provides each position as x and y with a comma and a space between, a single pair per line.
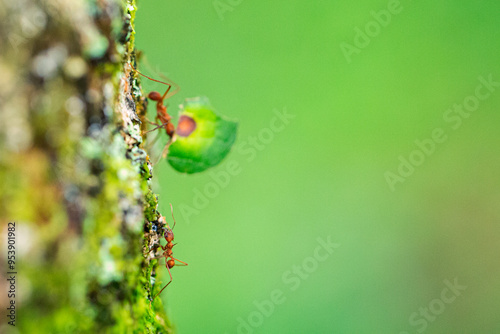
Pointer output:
75, 178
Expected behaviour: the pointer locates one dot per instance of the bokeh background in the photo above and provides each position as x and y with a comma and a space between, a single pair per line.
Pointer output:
324, 173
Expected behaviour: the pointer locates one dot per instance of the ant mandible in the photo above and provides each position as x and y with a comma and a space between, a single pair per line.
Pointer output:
169, 237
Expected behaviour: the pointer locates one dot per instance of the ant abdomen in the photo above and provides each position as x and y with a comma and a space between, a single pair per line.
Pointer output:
170, 263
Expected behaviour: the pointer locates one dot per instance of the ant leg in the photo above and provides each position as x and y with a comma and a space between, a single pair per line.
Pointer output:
172, 93
166, 284
157, 160
158, 126
153, 142
184, 263
163, 76
165, 151
165, 95
166, 92
151, 122
165, 83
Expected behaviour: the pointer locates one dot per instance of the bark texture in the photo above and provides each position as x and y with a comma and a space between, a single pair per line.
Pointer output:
74, 175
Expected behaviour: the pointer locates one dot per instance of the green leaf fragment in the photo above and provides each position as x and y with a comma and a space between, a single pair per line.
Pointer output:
202, 138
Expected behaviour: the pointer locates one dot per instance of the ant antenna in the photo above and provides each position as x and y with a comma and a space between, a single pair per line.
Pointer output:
172, 211
169, 85
144, 75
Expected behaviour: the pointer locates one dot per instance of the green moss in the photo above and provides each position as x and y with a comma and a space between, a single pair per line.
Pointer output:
81, 189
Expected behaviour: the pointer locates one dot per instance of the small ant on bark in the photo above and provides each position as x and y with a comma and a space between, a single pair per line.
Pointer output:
169, 237
161, 110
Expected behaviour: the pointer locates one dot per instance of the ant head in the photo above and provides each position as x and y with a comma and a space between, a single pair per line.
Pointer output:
169, 235
155, 96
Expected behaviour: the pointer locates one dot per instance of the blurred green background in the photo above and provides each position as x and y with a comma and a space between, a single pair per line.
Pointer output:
324, 173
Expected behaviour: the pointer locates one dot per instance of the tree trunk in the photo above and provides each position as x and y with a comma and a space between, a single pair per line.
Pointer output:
75, 179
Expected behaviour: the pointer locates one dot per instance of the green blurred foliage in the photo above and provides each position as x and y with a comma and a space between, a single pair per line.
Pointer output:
243, 225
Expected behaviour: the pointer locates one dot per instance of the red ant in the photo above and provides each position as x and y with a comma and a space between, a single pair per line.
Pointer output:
161, 110
169, 237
